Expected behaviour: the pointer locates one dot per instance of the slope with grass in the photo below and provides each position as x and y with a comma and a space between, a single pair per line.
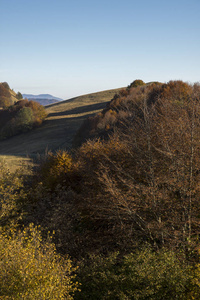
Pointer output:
57, 131
7, 96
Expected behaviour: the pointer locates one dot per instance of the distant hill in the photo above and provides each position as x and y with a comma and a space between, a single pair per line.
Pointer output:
41, 96
44, 99
44, 102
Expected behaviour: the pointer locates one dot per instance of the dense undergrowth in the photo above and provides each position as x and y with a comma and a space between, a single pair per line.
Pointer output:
124, 206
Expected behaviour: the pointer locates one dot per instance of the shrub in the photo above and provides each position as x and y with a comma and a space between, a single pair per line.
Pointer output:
55, 168
135, 83
31, 269
144, 274
22, 122
38, 111
11, 195
24, 119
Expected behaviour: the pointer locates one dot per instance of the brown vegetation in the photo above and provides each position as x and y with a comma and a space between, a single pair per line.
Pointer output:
20, 117
134, 194
142, 183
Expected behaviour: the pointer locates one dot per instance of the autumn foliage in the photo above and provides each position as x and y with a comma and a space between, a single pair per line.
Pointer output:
150, 184
141, 182
125, 204
20, 117
31, 269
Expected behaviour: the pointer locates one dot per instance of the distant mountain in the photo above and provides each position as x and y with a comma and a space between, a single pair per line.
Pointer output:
44, 102
44, 99
41, 96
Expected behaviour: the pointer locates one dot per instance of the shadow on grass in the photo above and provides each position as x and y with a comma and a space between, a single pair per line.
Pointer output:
82, 109
53, 134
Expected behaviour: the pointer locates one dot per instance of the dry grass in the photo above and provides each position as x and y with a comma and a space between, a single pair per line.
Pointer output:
13, 162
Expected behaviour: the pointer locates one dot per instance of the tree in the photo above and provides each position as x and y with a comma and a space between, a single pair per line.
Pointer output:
150, 186
19, 96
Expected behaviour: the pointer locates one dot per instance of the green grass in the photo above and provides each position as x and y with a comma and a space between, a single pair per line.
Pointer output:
57, 131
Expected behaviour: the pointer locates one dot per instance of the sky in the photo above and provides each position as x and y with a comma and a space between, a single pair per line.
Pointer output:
70, 48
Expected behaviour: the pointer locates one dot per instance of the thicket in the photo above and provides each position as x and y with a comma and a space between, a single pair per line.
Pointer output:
20, 117
126, 208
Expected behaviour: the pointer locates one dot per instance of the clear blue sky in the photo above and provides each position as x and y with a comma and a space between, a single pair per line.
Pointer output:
68, 48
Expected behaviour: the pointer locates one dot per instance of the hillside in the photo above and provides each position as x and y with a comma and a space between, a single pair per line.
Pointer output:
120, 215
57, 132
7, 96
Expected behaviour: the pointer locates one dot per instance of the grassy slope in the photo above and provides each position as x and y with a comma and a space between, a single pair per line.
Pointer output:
13, 97
58, 130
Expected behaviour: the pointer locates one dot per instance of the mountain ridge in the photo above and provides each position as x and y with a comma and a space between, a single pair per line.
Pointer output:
41, 96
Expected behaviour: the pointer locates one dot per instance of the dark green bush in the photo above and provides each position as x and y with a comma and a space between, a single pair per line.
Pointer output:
135, 83
144, 274
19, 96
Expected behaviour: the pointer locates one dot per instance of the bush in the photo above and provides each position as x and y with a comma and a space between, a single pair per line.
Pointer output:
55, 168
135, 83
24, 119
22, 122
21, 117
31, 269
19, 96
144, 274
11, 196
